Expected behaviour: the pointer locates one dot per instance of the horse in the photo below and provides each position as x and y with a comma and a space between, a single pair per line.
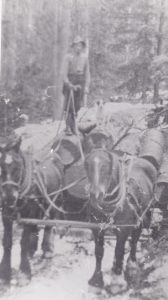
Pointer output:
121, 194
29, 188
108, 200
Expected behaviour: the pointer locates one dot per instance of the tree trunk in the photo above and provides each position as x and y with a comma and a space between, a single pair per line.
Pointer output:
62, 28
155, 92
9, 49
159, 47
1, 7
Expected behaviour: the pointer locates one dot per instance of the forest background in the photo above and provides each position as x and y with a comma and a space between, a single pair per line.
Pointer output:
127, 48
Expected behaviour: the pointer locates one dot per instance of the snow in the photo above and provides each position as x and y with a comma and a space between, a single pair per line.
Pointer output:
115, 117
39, 135
65, 277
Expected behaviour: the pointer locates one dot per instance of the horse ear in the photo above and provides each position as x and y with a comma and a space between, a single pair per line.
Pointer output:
2, 144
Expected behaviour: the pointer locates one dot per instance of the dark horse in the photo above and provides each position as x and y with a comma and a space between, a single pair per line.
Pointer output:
121, 194
118, 196
28, 187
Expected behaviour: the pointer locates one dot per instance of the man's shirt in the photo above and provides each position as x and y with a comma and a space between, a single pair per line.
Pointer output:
78, 65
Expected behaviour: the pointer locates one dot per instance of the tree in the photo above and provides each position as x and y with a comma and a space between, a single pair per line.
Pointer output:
156, 66
61, 41
126, 41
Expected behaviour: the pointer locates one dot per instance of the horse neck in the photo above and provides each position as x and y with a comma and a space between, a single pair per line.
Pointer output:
116, 169
116, 194
28, 163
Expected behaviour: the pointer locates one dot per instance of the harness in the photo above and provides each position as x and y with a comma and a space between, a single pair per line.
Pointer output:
30, 176
13, 183
111, 206
30, 173
71, 102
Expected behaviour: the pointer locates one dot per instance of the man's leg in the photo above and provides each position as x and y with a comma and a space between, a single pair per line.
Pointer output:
67, 118
76, 108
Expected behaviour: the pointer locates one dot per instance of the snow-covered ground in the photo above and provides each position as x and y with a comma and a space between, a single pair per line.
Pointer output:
116, 117
65, 276
39, 135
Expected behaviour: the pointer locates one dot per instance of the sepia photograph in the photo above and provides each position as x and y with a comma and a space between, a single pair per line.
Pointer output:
84, 149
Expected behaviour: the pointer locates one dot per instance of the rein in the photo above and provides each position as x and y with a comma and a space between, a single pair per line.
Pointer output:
43, 191
68, 186
120, 187
10, 182
71, 101
33, 173
119, 200
110, 208
138, 216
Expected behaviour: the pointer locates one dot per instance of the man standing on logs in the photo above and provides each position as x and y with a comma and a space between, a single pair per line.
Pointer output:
76, 82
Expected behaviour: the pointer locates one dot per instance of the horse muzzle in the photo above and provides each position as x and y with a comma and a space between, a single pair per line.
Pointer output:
97, 197
10, 195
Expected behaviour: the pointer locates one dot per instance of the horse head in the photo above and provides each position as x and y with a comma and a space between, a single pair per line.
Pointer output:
102, 171
11, 171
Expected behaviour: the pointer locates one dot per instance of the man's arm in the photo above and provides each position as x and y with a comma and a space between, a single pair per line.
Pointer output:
66, 71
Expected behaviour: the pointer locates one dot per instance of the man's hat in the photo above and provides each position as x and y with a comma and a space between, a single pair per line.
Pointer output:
78, 40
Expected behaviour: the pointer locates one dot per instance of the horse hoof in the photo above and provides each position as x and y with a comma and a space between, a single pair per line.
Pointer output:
48, 254
14, 281
94, 290
32, 254
5, 275
23, 279
132, 272
96, 280
4, 282
118, 285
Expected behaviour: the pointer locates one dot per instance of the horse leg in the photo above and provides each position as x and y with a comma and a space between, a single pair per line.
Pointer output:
133, 243
116, 282
121, 236
48, 242
25, 247
5, 266
33, 240
132, 268
97, 278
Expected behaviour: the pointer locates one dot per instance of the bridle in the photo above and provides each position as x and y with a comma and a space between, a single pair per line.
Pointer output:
12, 182
15, 184
103, 151
120, 189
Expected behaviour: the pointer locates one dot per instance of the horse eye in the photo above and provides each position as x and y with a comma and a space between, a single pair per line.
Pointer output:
3, 173
14, 170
